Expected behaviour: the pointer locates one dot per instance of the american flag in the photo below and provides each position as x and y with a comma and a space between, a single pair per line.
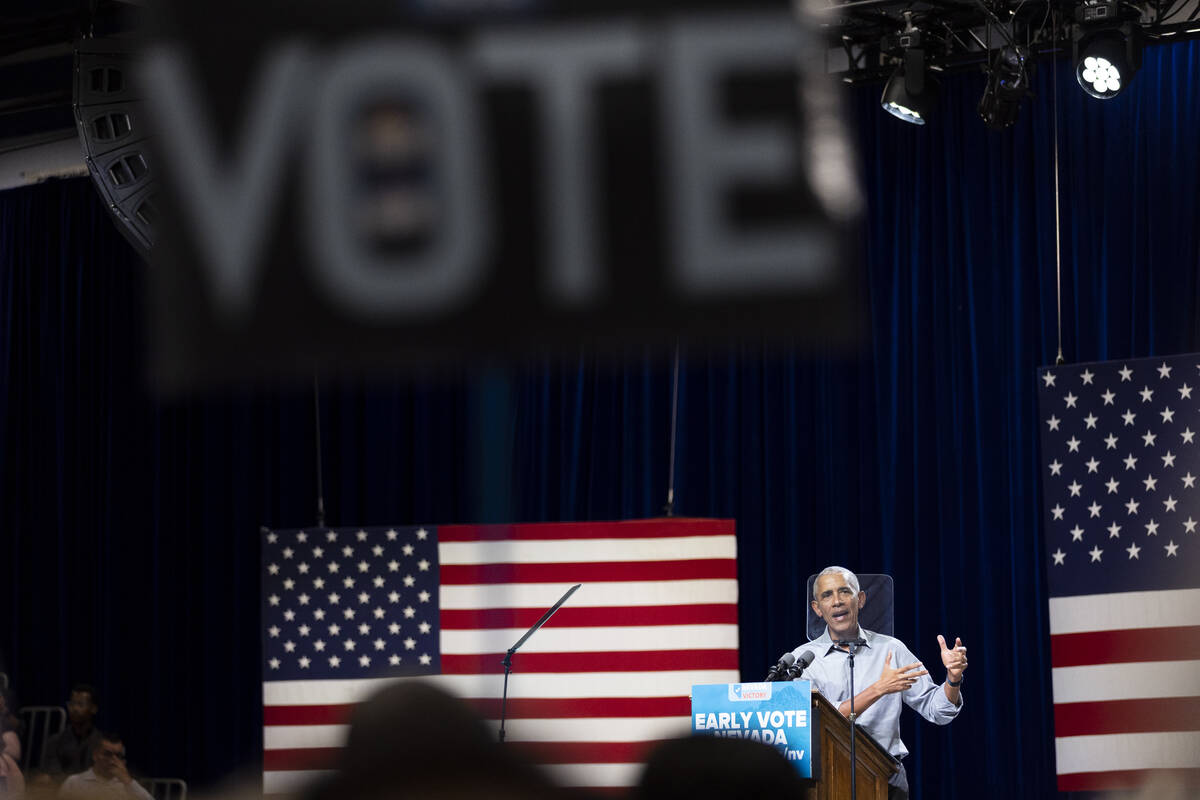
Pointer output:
344, 610
1120, 462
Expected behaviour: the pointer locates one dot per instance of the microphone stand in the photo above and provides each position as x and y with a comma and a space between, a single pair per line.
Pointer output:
852, 646
507, 661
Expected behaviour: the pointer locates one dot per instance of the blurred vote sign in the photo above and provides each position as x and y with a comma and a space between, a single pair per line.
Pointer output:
778, 714
365, 183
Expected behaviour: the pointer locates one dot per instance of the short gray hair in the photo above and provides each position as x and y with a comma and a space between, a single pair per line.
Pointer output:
851, 578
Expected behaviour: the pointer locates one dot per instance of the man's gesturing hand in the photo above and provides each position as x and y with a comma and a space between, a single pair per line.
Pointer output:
954, 659
900, 678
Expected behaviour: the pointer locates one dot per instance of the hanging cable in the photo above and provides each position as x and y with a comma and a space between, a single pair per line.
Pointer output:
317, 428
1057, 222
669, 508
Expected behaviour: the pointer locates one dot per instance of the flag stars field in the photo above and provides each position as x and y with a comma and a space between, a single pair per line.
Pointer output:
1100, 403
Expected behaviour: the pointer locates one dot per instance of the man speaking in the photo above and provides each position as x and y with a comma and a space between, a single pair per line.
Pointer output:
885, 670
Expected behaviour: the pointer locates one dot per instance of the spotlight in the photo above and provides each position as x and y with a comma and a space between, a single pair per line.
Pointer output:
910, 94
1008, 83
1106, 58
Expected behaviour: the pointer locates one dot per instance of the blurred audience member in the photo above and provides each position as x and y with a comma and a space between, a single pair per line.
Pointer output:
702, 767
70, 750
412, 740
108, 778
10, 726
40, 785
12, 783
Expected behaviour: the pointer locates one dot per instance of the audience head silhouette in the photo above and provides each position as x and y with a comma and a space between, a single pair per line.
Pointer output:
701, 767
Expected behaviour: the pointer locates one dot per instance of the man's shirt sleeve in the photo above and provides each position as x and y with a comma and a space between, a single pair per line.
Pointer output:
928, 698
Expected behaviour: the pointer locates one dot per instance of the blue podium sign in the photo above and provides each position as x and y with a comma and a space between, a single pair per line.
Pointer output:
778, 714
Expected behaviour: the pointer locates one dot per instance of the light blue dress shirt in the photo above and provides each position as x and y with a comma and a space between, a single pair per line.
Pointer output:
830, 675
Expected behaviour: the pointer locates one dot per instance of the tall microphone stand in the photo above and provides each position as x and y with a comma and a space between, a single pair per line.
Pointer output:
507, 661
852, 646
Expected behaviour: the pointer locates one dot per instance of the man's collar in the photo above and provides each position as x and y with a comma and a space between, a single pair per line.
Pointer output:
827, 640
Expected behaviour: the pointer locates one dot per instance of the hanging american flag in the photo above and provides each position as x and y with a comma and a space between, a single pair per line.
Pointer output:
344, 610
1120, 462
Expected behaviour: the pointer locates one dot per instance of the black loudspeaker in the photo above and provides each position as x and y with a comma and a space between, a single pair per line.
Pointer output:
110, 118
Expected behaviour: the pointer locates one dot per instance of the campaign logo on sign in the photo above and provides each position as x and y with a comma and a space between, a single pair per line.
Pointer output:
749, 691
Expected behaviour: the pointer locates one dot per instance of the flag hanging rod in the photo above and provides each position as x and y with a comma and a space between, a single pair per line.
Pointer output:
669, 508
317, 430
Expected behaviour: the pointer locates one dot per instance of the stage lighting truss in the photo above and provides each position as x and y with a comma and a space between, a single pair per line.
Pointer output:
1105, 37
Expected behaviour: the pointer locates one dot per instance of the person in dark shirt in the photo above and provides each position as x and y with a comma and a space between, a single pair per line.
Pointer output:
70, 750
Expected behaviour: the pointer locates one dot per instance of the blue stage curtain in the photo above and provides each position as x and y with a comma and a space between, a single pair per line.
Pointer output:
129, 549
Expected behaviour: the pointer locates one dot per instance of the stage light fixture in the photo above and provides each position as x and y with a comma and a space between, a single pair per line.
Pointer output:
911, 93
1107, 52
1007, 85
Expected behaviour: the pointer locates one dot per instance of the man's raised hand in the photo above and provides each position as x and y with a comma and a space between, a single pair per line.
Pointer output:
900, 678
954, 659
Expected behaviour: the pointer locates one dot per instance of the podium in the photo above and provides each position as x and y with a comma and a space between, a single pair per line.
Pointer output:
804, 726
831, 747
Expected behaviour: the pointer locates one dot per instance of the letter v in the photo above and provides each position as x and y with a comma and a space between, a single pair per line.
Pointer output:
227, 206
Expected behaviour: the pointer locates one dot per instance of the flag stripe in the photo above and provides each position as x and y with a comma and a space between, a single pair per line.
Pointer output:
300, 758
1167, 608
535, 708
547, 552
1127, 716
1100, 682
1137, 645
615, 593
568, 640
596, 775
306, 759
592, 662
469, 574
1163, 750
517, 708
623, 729
598, 616
284, 737
586, 752
1125, 779
600, 684
549, 531
308, 715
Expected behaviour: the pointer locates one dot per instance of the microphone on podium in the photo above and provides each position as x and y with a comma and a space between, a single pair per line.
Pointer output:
780, 668
801, 664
